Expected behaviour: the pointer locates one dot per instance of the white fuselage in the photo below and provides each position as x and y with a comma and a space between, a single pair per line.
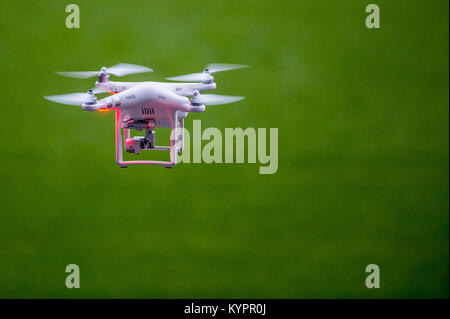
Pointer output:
154, 101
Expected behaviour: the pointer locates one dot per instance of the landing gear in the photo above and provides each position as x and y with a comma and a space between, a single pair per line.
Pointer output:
137, 143
180, 137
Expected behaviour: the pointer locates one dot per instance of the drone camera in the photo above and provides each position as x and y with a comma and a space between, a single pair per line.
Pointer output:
137, 143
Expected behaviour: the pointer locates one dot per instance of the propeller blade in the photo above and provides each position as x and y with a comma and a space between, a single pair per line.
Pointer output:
69, 99
206, 75
122, 69
214, 99
193, 77
79, 75
219, 67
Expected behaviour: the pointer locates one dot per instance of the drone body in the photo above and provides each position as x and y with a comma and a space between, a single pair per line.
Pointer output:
143, 106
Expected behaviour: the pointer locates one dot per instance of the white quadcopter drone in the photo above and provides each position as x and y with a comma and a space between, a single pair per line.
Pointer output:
146, 105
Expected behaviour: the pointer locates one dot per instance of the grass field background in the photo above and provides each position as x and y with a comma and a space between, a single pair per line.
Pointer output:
363, 153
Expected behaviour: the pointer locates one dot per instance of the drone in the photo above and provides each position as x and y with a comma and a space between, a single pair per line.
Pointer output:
143, 106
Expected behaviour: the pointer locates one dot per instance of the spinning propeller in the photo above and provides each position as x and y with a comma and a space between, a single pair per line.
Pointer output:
213, 99
73, 98
120, 69
206, 76
88, 101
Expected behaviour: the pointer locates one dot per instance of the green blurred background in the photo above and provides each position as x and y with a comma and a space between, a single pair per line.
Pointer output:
363, 153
